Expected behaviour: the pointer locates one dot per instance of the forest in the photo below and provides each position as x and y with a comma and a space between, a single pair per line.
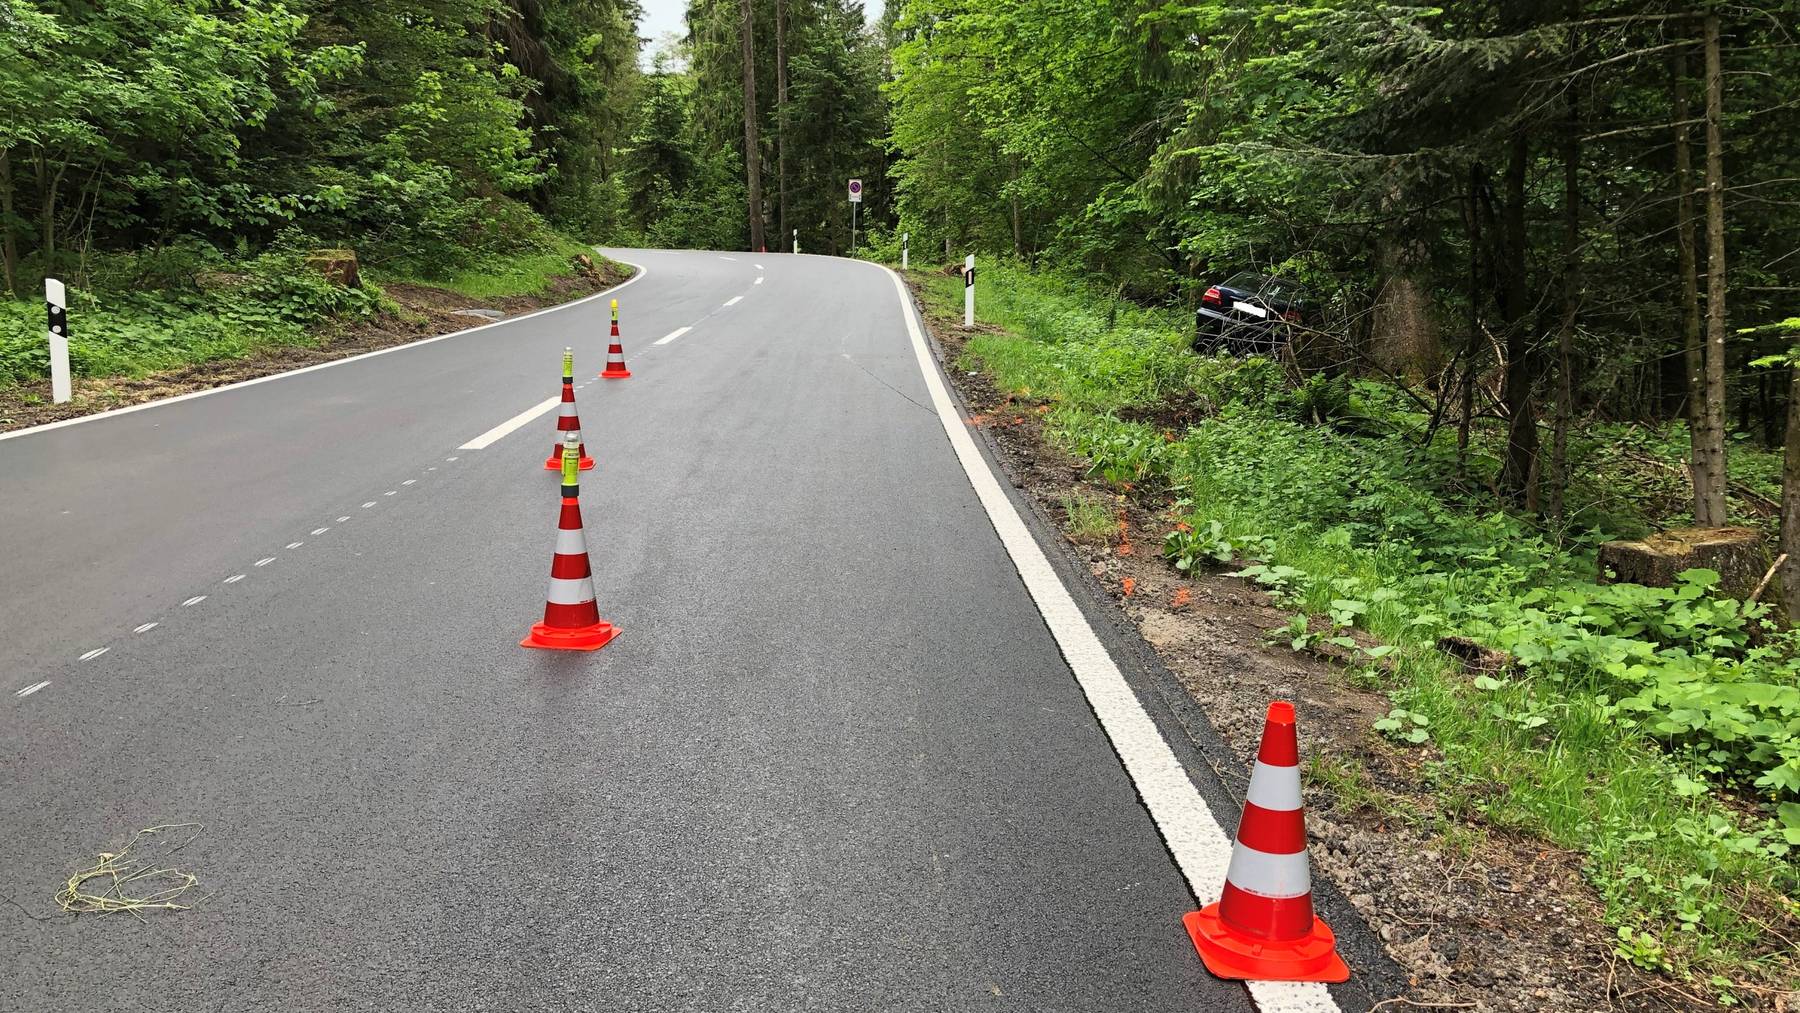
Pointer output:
1555, 244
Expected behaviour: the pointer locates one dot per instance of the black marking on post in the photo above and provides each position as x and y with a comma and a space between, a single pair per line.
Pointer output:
59, 319
969, 278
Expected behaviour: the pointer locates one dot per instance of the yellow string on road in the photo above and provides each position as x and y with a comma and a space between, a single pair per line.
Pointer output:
125, 879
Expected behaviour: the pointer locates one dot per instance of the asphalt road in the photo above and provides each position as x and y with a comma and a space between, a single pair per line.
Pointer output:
836, 761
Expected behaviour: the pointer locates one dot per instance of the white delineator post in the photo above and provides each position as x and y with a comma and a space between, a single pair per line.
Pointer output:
969, 291
796, 240
905, 239
56, 303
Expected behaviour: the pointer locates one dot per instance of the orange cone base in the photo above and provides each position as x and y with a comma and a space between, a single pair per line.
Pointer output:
615, 374
1230, 954
554, 463
581, 638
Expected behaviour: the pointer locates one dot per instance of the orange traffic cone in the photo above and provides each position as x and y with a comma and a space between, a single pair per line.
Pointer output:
615, 352
1263, 927
571, 620
568, 422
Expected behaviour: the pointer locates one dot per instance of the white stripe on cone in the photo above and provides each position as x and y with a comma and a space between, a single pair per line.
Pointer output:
1266, 875
571, 591
1274, 788
570, 543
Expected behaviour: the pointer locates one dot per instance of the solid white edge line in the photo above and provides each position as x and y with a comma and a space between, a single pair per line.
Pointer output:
493, 435
734, 300
672, 335
1195, 839
128, 409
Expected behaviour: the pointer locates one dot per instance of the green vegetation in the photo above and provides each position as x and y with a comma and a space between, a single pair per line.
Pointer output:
1656, 731
172, 162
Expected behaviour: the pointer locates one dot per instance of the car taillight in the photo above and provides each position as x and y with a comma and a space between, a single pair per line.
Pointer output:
1291, 317
1212, 297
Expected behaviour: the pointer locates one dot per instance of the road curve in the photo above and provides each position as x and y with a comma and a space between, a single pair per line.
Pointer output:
836, 762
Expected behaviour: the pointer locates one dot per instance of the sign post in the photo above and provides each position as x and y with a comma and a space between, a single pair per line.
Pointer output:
56, 303
905, 242
969, 291
855, 202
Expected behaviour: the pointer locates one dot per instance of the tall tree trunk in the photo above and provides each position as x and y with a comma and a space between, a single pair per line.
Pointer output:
1717, 473
1704, 443
752, 146
9, 250
1518, 474
1790, 502
781, 117
1571, 299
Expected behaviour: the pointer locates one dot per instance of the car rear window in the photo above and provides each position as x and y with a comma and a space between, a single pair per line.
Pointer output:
1275, 289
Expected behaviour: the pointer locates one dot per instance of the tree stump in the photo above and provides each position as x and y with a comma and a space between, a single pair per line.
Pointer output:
338, 267
1738, 554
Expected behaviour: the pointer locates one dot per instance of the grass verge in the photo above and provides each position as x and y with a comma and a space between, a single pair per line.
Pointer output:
1653, 731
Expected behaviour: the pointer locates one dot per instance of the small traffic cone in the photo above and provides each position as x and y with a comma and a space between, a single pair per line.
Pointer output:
568, 421
615, 352
571, 620
1263, 927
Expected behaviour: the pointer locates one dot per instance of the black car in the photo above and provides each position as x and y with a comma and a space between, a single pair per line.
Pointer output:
1250, 313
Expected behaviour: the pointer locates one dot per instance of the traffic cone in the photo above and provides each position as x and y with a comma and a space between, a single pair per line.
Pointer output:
568, 421
1263, 927
571, 620
615, 352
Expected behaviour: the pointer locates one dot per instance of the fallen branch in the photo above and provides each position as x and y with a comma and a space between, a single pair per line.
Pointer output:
1763, 583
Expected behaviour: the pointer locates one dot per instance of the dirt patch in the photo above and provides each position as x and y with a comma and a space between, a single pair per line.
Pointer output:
1478, 919
424, 312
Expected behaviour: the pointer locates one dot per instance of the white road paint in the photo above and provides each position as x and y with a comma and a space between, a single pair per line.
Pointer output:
341, 520
734, 300
732, 259
195, 600
759, 279
234, 578
390, 492
295, 545
672, 335
320, 531
369, 504
33, 688
452, 458
128, 409
488, 438
759, 267
409, 481
265, 561
1195, 839
95, 653
146, 628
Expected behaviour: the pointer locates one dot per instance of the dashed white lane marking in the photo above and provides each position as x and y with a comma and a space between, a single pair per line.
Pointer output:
341, 520
265, 561
295, 545
234, 578
486, 439
409, 481
95, 653
672, 335
1194, 837
759, 267
320, 531
33, 688
390, 492
369, 504
432, 468
732, 259
452, 458
195, 600
146, 628
734, 300
758, 280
